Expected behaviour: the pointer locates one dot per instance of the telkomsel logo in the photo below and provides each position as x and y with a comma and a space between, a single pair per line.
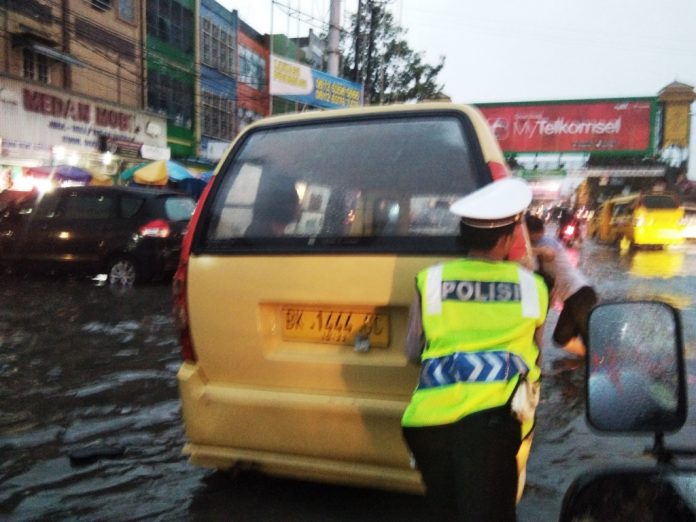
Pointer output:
529, 126
500, 128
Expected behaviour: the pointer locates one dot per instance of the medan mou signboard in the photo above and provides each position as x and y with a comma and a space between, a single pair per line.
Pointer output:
35, 119
297, 82
622, 126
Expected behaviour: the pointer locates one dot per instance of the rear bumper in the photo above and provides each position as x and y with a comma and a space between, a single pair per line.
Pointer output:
658, 236
319, 470
328, 438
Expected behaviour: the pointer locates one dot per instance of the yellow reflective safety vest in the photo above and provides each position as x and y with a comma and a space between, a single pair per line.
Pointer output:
479, 319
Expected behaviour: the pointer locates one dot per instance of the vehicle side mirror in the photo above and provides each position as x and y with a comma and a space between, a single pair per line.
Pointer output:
635, 368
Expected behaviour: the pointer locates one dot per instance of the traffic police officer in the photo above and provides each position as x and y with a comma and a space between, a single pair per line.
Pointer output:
476, 329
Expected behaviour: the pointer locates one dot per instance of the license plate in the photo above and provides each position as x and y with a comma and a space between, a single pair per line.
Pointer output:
335, 326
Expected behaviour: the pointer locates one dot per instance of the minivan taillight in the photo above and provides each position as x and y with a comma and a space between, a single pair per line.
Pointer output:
180, 309
156, 228
180, 284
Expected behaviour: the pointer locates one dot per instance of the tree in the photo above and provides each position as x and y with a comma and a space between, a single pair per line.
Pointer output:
387, 67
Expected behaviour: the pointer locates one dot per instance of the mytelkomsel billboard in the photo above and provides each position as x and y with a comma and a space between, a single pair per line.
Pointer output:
597, 126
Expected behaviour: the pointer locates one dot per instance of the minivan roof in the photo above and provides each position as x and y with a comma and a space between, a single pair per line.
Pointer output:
477, 119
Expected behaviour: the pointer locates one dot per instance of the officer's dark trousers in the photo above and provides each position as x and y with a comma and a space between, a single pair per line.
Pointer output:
469, 467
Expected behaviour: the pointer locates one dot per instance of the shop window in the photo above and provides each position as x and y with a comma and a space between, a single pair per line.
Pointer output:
218, 47
218, 112
35, 66
252, 68
171, 23
101, 5
126, 10
170, 96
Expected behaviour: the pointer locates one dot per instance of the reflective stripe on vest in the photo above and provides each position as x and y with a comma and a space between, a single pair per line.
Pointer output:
485, 366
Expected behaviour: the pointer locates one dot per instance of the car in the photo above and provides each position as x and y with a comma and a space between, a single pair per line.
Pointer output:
295, 282
132, 234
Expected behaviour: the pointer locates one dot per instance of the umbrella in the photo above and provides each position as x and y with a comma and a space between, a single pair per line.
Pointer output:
127, 174
62, 172
101, 180
159, 172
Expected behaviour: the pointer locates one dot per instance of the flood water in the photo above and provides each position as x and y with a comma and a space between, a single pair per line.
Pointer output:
84, 366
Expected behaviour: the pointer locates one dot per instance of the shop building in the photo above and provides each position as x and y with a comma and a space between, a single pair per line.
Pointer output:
42, 125
252, 84
218, 84
88, 47
170, 70
71, 86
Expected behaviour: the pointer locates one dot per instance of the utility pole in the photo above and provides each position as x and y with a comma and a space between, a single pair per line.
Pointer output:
334, 33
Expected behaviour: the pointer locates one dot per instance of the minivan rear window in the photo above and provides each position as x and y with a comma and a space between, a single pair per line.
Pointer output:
382, 184
659, 201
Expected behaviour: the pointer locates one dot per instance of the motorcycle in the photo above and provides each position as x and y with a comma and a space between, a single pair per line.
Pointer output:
635, 384
569, 233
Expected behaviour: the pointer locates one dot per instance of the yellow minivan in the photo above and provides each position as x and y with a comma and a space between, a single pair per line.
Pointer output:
650, 219
295, 281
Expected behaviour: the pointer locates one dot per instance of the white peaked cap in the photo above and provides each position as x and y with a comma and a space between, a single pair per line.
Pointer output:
497, 204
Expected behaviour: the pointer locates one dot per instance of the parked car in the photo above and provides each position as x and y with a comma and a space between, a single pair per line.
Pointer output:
293, 292
130, 234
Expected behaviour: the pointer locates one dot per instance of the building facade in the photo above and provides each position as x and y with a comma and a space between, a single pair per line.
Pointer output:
170, 70
218, 79
71, 85
252, 79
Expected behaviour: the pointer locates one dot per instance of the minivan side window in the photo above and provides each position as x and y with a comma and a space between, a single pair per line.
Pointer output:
366, 184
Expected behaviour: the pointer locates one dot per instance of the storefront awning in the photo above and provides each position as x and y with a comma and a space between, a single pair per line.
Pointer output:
56, 55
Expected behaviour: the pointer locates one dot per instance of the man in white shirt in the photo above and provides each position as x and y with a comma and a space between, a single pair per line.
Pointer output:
570, 287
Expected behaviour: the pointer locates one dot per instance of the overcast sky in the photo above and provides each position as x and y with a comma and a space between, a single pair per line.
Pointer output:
507, 50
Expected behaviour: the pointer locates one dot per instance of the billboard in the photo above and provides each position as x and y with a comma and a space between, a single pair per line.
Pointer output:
34, 119
297, 82
592, 126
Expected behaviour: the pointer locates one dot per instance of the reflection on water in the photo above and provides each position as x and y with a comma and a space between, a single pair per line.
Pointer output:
657, 263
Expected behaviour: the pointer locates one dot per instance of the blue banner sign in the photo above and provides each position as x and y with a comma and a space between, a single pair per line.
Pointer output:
300, 83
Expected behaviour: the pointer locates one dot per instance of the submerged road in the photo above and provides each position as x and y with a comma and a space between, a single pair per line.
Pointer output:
81, 363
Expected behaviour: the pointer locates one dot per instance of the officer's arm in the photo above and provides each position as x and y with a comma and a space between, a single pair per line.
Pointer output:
415, 340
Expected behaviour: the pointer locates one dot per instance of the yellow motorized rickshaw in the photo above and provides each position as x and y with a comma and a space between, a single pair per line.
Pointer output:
646, 219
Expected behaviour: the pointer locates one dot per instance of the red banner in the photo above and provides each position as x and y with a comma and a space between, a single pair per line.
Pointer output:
605, 126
